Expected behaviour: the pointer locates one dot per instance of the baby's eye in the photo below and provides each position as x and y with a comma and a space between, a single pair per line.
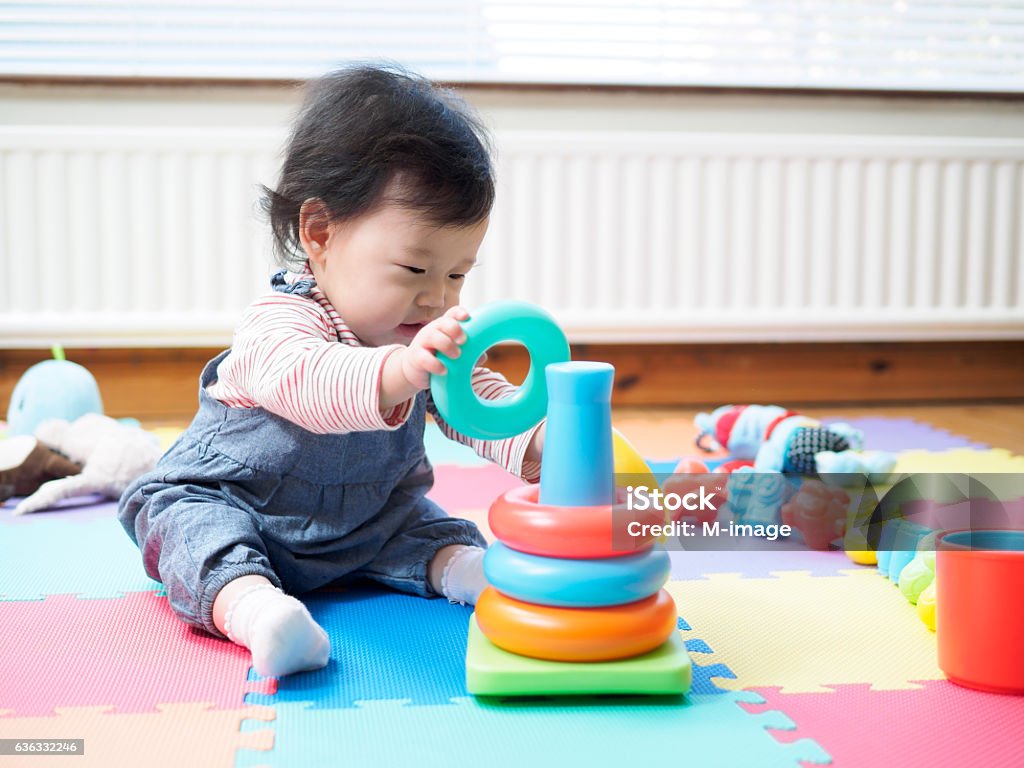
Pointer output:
457, 276
414, 270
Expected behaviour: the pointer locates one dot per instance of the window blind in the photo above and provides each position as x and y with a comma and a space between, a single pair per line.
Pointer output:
917, 45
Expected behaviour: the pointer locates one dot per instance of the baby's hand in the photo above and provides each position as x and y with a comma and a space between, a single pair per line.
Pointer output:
444, 335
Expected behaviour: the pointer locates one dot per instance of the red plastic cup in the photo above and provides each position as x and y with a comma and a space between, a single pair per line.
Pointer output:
979, 608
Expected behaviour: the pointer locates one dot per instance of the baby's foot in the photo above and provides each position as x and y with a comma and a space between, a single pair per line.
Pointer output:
464, 578
279, 631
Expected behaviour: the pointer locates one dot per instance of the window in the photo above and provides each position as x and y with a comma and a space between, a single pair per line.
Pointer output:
925, 45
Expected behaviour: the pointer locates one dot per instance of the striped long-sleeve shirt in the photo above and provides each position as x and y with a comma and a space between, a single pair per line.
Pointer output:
294, 356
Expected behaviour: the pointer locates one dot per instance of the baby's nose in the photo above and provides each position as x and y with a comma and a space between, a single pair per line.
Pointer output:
433, 297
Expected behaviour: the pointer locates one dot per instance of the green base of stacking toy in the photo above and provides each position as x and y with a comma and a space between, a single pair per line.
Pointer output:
491, 671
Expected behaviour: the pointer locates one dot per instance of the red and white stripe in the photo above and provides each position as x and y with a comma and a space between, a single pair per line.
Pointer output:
294, 356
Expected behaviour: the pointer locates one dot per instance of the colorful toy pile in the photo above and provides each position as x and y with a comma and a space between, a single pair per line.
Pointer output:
774, 454
563, 590
908, 560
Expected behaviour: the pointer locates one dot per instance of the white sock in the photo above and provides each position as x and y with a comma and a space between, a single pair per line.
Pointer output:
463, 579
278, 630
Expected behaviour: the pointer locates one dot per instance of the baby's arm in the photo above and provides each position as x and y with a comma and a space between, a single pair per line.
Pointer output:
519, 454
535, 449
286, 359
408, 370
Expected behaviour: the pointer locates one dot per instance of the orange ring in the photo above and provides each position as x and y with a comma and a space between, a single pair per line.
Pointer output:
520, 522
576, 634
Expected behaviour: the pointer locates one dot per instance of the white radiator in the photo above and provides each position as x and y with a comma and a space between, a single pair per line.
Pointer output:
147, 236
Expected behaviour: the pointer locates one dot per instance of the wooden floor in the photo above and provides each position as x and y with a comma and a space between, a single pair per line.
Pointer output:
1000, 425
160, 383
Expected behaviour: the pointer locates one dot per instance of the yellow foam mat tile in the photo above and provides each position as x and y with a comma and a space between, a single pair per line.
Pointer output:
166, 435
959, 460
176, 736
804, 634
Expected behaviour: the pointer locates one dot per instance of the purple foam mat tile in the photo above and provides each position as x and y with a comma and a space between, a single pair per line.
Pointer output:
887, 434
81, 508
695, 564
975, 513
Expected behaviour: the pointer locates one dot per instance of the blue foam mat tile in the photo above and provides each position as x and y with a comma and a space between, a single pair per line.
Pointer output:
390, 646
51, 556
384, 645
707, 730
662, 468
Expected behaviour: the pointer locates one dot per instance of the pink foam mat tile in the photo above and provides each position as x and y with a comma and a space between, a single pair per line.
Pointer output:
462, 488
128, 653
937, 724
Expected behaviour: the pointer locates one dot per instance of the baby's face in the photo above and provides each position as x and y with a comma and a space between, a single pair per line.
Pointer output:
388, 272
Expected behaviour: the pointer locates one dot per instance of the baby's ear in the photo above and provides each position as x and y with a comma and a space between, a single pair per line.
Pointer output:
314, 228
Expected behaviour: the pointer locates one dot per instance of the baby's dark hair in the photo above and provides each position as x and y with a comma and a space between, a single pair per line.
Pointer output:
362, 128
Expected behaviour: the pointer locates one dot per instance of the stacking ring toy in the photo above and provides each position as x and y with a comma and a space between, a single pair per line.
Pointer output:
628, 461
575, 583
492, 324
521, 522
576, 634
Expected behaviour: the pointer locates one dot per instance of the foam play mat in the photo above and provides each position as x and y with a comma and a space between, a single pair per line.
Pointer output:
798, 658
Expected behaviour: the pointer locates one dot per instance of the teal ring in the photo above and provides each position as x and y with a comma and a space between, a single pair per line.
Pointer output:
568, 583
492, 324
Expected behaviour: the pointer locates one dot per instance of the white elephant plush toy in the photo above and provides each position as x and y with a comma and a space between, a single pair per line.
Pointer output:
112, 455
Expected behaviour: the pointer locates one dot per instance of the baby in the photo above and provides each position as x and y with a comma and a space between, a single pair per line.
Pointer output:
305, 463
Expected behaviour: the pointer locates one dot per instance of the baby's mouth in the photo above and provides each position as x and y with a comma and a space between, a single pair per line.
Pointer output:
410, 329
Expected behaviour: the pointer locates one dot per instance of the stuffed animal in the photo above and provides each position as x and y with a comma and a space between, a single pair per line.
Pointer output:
52, 389
25, 464
779, 440
112, 455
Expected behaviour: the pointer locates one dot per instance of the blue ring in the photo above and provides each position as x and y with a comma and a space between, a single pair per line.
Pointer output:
462, 409
576, 583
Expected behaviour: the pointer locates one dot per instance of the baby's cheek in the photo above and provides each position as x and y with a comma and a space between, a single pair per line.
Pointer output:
386, 302
453, 296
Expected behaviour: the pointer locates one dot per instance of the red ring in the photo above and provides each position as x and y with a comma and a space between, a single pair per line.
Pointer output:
576, 634
519, 521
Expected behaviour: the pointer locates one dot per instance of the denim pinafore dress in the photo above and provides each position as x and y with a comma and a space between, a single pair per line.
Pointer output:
244, 491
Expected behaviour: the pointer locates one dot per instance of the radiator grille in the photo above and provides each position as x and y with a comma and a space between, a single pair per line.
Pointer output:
147, 236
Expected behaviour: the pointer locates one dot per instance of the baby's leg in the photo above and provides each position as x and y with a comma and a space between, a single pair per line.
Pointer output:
433, 554
211, 559
275, 627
